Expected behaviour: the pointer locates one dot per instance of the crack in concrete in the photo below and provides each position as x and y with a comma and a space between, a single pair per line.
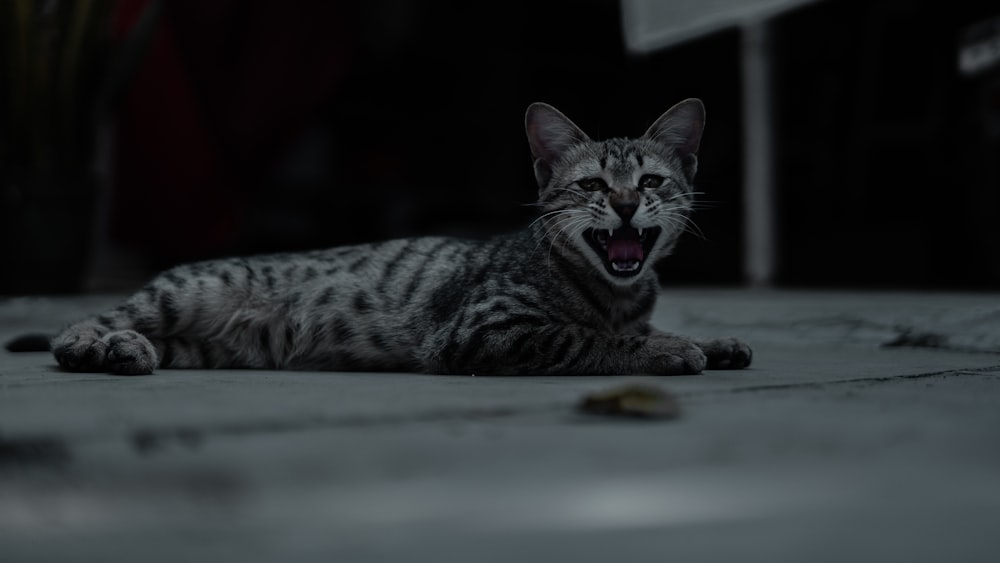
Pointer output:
817, 385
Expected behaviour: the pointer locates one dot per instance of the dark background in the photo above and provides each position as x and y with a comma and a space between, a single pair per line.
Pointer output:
333, 125
888, 158
256, 126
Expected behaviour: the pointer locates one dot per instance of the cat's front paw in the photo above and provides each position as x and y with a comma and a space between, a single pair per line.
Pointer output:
130, 353
726, 353
672, 355
80, 350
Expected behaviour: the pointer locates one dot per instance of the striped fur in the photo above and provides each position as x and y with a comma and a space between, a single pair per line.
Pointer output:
570, 294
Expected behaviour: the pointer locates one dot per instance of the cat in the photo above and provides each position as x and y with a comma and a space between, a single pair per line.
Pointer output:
570, 294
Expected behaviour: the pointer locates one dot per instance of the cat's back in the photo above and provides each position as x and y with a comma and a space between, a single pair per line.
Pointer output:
360, 264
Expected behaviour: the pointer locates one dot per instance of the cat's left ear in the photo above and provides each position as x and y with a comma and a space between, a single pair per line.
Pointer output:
550, 135
679, 129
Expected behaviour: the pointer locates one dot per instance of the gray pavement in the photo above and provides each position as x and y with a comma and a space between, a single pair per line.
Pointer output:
832, 447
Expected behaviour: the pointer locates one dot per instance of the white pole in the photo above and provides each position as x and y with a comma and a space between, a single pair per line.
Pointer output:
758, 191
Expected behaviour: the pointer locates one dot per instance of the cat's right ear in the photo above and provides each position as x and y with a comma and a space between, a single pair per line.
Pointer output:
550, 134
679, 129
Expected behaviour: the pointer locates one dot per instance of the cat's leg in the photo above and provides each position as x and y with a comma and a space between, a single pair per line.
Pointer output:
204, 315
117, 341
561, 350
130, 353
720, 353
668, 354
81, 347
183, 353
726, 353
90, 346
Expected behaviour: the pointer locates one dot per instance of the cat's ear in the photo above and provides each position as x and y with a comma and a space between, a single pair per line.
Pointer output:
550, 134
679, 129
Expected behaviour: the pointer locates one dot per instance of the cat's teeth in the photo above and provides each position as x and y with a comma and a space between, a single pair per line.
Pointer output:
640, 233
611, 233
625, 266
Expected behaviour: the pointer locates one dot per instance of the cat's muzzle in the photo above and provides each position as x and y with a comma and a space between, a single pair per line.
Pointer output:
624, 250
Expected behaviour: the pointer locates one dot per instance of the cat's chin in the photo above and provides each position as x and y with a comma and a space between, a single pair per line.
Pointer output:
623, 251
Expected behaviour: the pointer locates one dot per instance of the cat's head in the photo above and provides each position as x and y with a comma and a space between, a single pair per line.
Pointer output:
619, 204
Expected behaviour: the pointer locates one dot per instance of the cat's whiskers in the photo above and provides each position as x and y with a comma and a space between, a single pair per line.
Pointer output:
577, 227
683, 194
566, 228
552, 229
555, 213
553, 221
676, 218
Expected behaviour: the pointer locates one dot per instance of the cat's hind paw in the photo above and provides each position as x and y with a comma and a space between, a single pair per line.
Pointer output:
130, 353
80, 350
726, 353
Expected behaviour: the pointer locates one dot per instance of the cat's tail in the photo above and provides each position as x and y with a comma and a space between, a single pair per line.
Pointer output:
32, 342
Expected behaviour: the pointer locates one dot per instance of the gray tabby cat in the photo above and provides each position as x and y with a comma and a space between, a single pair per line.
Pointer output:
571, 294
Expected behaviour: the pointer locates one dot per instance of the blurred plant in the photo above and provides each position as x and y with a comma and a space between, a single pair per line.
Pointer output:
62, 75
50, 53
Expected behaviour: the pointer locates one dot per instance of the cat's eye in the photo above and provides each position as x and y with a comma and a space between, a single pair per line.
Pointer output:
593, 184
650, 182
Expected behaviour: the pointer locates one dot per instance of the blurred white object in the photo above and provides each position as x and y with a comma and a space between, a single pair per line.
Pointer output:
656, 24
650, 25
979, 47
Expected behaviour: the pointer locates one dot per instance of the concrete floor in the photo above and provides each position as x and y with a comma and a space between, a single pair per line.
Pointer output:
832, 447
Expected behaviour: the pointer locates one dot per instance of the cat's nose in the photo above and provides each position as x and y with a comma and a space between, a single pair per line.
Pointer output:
625, 204
625, 210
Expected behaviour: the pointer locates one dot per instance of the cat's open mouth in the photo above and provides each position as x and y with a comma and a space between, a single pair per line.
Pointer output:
623, 250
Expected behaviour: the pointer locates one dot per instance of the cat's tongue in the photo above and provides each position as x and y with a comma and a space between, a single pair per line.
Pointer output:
624, 246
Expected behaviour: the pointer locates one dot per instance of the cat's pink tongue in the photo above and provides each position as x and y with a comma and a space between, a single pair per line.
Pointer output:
624, 250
